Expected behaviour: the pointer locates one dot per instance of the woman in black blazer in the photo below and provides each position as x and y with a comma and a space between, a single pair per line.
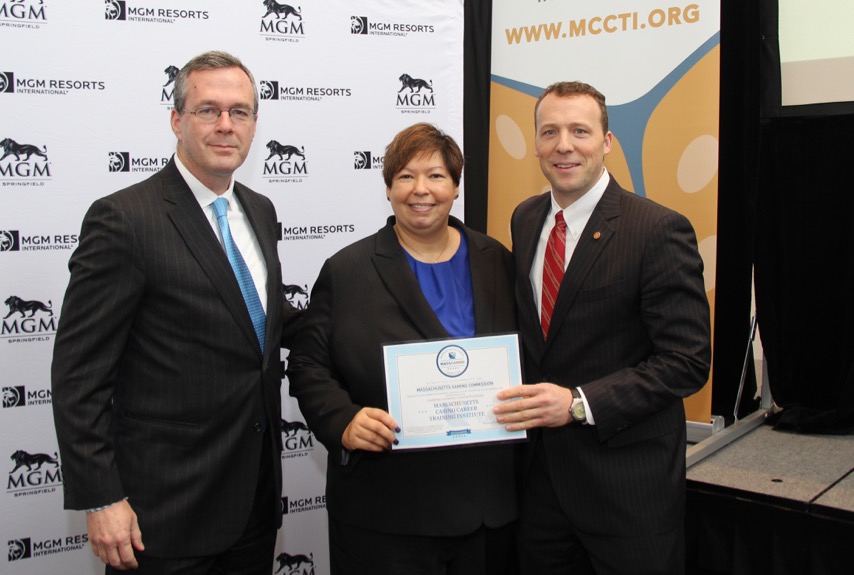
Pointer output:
423, 276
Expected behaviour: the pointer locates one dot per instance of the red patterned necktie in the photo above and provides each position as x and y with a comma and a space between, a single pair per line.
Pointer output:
552, 271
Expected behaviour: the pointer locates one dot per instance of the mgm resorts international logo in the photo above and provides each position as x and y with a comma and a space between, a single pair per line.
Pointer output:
18, 396
23, 164
14, 241
298, 440
10, 84
281, 22
22, 14
297, 564
415, 96
27, 548
294, 505
125, 11
124, 162
362, 26
313, 232
272, 90
364, 160
27, 321
33, 473
285, 163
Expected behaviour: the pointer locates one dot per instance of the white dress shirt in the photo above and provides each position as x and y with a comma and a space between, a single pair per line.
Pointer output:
241, 231
576, 216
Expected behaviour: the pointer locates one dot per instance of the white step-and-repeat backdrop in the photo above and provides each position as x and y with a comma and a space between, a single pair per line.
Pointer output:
86, 93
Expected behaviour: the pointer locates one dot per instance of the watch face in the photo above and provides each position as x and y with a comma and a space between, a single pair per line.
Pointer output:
578, 411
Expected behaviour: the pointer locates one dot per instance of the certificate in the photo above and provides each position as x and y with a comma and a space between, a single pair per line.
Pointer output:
441, 393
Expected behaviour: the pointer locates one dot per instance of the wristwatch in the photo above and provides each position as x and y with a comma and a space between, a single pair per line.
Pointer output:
576, 410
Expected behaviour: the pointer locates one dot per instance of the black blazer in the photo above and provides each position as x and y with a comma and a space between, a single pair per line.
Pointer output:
365, 296
631, 329
160, 391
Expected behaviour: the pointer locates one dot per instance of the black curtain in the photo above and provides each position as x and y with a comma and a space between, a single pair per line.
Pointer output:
804, 258
477, 46
805, 270
737, 188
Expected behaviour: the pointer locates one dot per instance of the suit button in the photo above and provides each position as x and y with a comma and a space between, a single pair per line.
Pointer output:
258, 427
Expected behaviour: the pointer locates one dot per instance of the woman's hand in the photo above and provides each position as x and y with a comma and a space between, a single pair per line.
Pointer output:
371, 429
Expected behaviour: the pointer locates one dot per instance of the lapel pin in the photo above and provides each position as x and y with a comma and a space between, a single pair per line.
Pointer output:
597, 235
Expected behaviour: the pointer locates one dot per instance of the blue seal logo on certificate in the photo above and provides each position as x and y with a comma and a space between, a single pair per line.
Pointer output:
441, 393
452, 361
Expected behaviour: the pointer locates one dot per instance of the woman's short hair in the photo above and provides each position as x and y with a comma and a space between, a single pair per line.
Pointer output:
418, 140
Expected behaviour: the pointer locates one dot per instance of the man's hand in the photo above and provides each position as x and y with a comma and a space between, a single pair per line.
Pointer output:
114, 534
371, 429
539, 405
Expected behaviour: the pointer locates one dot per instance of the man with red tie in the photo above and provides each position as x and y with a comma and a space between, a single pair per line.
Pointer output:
615, 326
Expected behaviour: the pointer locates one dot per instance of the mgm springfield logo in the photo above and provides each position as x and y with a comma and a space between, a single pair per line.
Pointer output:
296, 564
281, 22
27, 548
124, 162
23, 163
22, 14
297, 439
416, 95
285, 163
167, 90
33, 473
28, 321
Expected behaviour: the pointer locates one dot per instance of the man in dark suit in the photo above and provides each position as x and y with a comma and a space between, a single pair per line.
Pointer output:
166, 387
615, 324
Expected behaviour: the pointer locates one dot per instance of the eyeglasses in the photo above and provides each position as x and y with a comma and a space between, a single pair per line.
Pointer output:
210, 114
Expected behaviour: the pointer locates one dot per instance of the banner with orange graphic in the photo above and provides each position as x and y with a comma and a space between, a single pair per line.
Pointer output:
658, 64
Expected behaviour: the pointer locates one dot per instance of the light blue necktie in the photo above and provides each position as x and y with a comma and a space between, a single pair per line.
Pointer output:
241, 271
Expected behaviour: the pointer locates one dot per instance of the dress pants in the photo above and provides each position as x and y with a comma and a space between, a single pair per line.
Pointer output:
251, 554
357, 551
551, 543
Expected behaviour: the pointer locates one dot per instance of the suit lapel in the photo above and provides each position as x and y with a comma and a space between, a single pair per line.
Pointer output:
481, 264
393, 269
190, 221
596, 235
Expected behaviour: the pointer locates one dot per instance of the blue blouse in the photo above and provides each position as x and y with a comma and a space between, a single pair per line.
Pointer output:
447, 287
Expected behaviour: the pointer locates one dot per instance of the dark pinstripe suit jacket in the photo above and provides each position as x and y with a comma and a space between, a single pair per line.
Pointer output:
365, 296
160, 392
631, 328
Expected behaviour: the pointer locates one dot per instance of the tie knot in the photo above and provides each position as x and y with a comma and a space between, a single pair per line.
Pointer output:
220, 207
559, 221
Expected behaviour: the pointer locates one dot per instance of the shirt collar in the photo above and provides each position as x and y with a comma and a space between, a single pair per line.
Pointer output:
577, 214
204, 195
